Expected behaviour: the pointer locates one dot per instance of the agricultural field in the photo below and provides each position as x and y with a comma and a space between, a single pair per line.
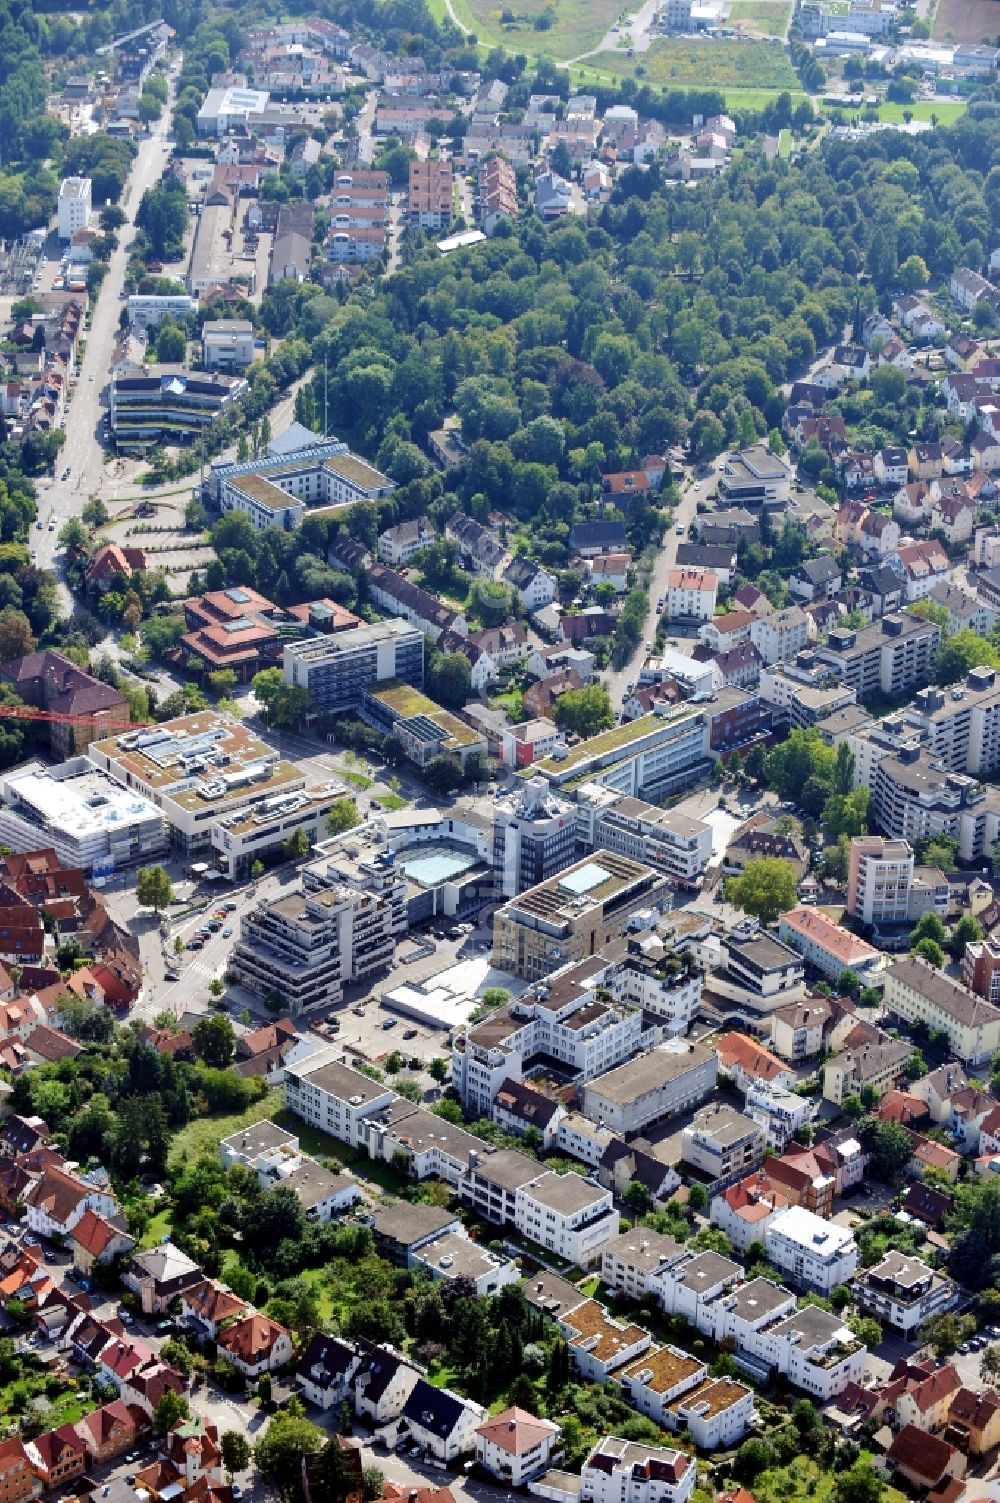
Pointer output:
967, 20
568, 27
768, 18
692, 63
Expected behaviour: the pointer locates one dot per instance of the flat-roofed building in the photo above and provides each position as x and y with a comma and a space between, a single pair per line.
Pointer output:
91, 821
763, 967
631, 1260
879, 880
534, 836
336, 670
660, 1083
811, 1252
722, 1144
170, 405
665, 839
334, 1098
423, 729
647, 758
622, 1471
453, 1255
754, 476
431, 196
74, 206
227, 343
888, 657
573, 914
901, 1291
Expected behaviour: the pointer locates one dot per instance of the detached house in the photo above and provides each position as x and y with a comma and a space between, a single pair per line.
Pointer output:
95, 1239
515, 1446
57, 1456
256, 1345
441, 1422
58, 1199
160, 1276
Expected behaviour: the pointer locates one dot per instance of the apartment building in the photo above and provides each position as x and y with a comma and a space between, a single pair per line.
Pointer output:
397, 545
147, 310
675, 1391
559, 1018
721, 1144
648, 758
631, 1262
496, 195
829, 947
766, 970
778, 1113
567, 1215
652, 983
341, 927
879, 880
336, 669
334, 1098
877, 1066
691, 594
73, 208
622, 1471
573, 914
780, 635
981, 970
913, 797
671, 1078
901, 1291
745, 1210
917, 992
797, 1031
515, 1446
960, 725
811, 1252
888, 657
534, 837
430, 199
671, 842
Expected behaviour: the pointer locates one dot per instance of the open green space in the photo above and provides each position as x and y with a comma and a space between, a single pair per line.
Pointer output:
160, 1226
768, 17
804, 1480
706, 63
205, 1133
560, 28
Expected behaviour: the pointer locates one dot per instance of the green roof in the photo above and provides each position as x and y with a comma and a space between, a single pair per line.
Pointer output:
617, 737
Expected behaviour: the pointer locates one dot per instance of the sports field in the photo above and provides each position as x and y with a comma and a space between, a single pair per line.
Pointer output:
967, 20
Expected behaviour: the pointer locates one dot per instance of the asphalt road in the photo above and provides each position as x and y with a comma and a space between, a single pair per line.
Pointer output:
618, 680
82, 452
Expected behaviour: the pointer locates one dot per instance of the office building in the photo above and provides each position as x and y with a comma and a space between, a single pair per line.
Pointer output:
336, 670
829, 947
171, 405
647, 758
219, 788
812, 1253
559, 1018
902, 1292
917, 992
90, 821
671, 1078
73, 207
227, 344
767, 971
573, 915
340, 927
313, 471
534, 837
224, 109
754, 476
423, 729
889, 657
879, 880
665, 839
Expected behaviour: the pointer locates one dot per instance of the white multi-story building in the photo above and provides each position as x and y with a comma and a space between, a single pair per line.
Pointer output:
660, 1083
879, 880
890, 656
671, 842
721, 1143
91, 821
631, 1262
621, 1471
902, 1292
675, 1390
650, 758
334, 1098
813, 1253
515, 1446
778, 1113
534, 837
827, 946
781, 634
691, 594
745, 1210
147, 310
560, 1018
567, 1216
74, 206
669, 995
227, 344
813, 1349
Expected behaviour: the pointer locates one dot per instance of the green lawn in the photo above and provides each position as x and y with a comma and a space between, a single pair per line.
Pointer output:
704, 63
943, 112
785, 143
356, 779
577, 25
161, 1225
767, 17
204, 1134
803, 1481
393, 802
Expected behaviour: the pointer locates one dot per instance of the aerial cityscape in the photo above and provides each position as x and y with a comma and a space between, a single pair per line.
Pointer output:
500, 752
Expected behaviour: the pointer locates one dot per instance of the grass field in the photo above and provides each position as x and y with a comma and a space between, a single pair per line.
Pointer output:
944, 112
161, 1225
203, 1135
686, 63
768, 18
967, 20
803, 1480
513, 24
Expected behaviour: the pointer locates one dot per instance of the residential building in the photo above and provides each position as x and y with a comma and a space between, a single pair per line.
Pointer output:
721, 1144
671, 1078
515, 1446
335, 670
888, 657
780, 635
981, 969
813, 1253
334, 1098
902, 1292
73, 207
398, 596
691, 594
17, 1482
255, 1345
763, 968
829, 947
227, 344
631, 1261
974, 1421
879, 881
778, 1112
147, 310
534, 585
159, 1276
748, 1063
674, 1390
797, 1031
622, 1471
529, 742
925, 1461
816, 579
670, 842
878, 1065
82, 708
747, 1208
59, 1199
397, 545
430, 199
916, 991
573, 914
567, 1216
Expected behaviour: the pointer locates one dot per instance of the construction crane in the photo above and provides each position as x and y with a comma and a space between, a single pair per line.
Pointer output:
53, 717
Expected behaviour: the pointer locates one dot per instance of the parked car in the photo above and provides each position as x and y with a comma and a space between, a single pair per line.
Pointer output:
389, 1023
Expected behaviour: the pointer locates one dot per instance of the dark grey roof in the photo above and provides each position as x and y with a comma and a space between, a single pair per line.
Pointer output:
705, 555
597, 535
433, 1409
819, 570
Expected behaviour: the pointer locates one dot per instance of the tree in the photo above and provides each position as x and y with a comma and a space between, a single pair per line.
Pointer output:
888, 1147
153, 888
945, 1333
172, 1408
372, 1482
968, 931
861, 1483
281, 1449
171, 344
697, 1197
438, 1069
752, 1458
297, 845
928, 926
236, 1451
585, 712
637, 1195
215, 1040
960, 652
343, 816
989, 1365
449, 679
16, 636
443, 774
766, 888
930, 951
